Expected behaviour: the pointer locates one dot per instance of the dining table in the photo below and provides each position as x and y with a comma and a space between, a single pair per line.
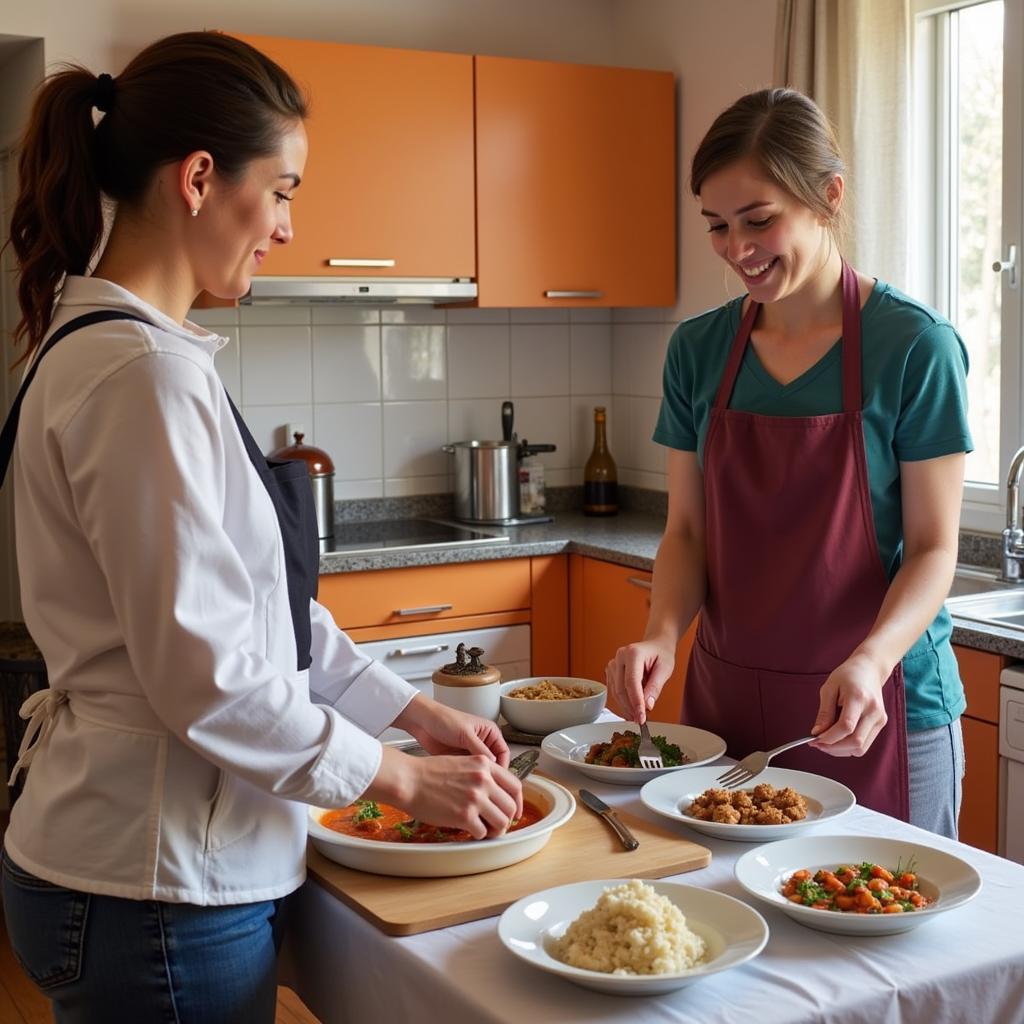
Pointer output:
961, 967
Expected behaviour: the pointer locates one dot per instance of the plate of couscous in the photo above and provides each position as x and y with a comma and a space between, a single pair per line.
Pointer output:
587, 933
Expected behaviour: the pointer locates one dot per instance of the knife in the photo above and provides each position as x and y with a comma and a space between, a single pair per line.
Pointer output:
598, 806
522, 765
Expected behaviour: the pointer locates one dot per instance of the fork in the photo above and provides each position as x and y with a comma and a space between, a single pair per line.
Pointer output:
649, 754
753, 764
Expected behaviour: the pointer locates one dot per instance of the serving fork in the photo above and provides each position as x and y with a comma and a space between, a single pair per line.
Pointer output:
753, 764
648, 753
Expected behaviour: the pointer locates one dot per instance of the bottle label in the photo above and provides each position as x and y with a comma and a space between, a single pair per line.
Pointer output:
600, 497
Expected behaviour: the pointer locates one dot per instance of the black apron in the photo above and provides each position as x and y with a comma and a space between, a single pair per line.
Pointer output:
287, 483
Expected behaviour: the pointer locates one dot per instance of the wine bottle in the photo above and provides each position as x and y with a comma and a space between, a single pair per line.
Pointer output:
600, 479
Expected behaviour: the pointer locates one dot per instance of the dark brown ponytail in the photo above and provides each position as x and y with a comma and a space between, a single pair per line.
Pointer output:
191, 91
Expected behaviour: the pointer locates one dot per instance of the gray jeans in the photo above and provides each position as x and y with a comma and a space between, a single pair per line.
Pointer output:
936, 775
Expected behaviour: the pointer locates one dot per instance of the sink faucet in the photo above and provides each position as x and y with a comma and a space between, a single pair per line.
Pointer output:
1013, 535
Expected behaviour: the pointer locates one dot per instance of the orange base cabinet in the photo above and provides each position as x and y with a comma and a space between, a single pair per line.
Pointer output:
388, 604
979, 824
609, 605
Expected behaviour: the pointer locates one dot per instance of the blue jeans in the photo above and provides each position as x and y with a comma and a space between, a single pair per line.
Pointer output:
102, 959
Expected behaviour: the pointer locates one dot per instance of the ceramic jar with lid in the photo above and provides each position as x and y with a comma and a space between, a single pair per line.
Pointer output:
469, 685
321, 476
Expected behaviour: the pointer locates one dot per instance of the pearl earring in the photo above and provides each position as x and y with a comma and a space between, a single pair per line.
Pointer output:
195, 212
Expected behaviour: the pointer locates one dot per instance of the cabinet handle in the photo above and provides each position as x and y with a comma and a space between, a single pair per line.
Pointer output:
405, 652
360, 263
430, 609
573, 294
638, 582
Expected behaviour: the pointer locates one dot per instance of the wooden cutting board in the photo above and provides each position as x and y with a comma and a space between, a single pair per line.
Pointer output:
581, 850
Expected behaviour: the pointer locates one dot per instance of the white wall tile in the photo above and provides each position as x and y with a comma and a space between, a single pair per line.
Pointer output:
638, 478
584, 315
644, 315
267, 424
329, 313
413, 362
347, 490
474, 419
217, 316
472, 315
582, 427
539, 360
276, 365
546, 421
562, 477
346, 364
590, 359
638, 357
644, 453
351, 435
413, 435
618, 426
273, 316
546, 315
411, 315
229, 364
401, 487
478, 361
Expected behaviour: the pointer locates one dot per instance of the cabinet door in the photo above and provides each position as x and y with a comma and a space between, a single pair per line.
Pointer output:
979, 825
390, 168
609, 610
576, 184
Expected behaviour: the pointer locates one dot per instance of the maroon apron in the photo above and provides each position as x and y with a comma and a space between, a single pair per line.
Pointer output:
794, 578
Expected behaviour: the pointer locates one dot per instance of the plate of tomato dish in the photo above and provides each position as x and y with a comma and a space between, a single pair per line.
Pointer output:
857, 885
384, 840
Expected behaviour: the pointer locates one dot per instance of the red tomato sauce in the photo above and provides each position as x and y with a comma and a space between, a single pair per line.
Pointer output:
392, 825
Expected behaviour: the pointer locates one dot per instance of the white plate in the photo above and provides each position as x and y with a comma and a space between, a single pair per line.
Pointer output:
570, 746
947, 879
670, 795
429, 860
733, 932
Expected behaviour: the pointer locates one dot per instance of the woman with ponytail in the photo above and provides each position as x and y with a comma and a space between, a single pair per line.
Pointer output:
199, 695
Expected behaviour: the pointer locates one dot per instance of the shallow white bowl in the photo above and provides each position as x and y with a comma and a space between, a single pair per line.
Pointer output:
733, 932
570, 746
427, 860
947, 879
543, 716
670, 795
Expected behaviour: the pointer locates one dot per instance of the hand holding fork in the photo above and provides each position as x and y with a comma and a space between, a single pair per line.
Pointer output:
753, 764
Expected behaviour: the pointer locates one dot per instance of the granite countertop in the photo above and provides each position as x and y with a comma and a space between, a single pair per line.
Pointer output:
630, 538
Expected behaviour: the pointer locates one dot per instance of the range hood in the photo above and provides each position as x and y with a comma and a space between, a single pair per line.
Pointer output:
370, 291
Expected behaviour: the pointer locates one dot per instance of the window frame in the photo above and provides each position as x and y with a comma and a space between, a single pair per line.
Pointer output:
933, 45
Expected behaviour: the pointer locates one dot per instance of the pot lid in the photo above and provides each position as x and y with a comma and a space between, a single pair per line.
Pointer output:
317, 460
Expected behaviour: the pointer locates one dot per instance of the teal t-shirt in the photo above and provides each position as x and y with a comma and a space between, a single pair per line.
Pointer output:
914, 370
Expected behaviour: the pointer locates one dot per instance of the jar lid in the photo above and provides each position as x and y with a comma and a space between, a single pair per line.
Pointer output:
317, 460
467, 670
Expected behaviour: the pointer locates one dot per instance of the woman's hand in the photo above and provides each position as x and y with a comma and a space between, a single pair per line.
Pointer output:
443, 730
850, 712
636, 675
470, 792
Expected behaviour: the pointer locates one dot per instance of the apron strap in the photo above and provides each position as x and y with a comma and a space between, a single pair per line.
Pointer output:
10, 428
40, 711
852, 399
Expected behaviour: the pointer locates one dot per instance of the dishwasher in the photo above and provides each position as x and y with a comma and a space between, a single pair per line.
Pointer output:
415, 658
1011, 763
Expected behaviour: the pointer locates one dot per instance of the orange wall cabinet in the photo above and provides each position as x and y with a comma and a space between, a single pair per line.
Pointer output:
609, 605
390, 169
576, 184
979, 670
393, 603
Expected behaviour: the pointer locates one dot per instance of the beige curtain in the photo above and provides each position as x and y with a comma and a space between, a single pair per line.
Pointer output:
853, 58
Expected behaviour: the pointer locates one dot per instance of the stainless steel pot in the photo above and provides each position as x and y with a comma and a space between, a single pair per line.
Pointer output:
486, 480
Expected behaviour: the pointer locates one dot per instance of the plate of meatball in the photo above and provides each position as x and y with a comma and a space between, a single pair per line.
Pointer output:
779, 804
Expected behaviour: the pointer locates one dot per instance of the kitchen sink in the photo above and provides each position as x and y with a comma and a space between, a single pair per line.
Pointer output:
977, 596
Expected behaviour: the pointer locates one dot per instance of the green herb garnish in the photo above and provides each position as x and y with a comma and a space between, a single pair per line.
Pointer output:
406, 829
367, 809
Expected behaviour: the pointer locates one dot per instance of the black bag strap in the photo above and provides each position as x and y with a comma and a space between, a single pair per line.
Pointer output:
10, 428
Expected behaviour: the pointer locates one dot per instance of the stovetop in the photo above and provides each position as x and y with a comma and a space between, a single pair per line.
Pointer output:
388, 535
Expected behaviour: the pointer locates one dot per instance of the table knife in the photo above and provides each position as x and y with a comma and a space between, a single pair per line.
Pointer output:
598, 806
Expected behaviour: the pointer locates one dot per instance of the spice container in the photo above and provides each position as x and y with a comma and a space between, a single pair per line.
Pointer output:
469, 685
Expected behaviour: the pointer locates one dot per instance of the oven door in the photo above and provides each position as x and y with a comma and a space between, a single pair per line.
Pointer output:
416, 658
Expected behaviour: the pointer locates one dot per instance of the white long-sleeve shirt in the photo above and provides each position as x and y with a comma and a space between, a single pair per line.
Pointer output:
153, 580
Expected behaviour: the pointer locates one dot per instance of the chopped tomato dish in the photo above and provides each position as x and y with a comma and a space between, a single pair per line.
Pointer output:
368, 819
864, 888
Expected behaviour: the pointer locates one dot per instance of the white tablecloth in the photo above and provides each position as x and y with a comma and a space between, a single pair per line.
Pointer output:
965, 967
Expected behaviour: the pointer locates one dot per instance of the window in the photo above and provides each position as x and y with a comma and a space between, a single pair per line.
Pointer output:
967, 216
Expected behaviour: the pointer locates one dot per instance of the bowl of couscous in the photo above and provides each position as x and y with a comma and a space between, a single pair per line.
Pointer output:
544, 704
